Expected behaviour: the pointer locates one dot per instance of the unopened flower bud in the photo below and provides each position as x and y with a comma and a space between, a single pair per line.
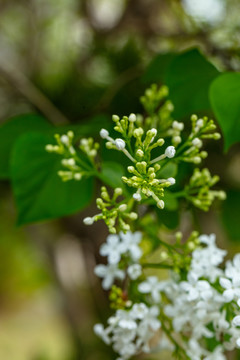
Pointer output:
160, 142
160, 204
197, 142
118, 191
137, 197
140, 153
49, 148
170, 151
77, 176
171, 180
71, 162
200, 123
64, 139
88, 220
115, 118
138, 132
216, 136
176, 140
131, 169
178, 125
104, 133
132, 117
122, 207
197, 160
120, 144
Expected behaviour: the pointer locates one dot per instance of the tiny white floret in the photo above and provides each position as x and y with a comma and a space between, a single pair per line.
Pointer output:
134, 271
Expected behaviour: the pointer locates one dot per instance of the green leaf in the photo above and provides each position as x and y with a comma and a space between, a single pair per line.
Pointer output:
170, 219
112, 174
230, 214
225, 100
157, 69
170, 201
10, 132
170, 170
39, 192
188, 78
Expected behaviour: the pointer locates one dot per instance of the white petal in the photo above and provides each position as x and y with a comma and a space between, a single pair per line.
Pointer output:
100, 270
228, 295
236, 320
112, 240
225, 283
144, 287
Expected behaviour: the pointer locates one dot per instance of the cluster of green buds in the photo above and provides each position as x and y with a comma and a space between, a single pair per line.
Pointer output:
114, 213
177, 255
118, 299
202, 129
158, 108
198, 190
75, 167
137, 145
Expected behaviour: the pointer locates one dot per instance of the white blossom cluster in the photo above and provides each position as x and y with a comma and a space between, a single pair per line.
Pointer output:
116, 247
130, 331
199, 306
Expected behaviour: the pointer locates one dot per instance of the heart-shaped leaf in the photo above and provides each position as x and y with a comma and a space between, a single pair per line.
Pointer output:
39, 192
225, 100
188, 78
11, 130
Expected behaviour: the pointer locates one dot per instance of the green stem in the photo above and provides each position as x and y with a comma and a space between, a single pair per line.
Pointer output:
157, 266
151, 234
173, 341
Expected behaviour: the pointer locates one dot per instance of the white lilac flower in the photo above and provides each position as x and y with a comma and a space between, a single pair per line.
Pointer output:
220, 324
234, 339
130, 243
134, 271
102, 333
194, 350
232, 288
205, 261
153, 287
216, 354
130, 331
109, 273
113, 248
232, 270
139, 311
231, 283
126, 320
200, 289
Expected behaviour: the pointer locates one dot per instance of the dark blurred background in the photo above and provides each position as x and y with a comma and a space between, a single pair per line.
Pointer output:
69, 60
